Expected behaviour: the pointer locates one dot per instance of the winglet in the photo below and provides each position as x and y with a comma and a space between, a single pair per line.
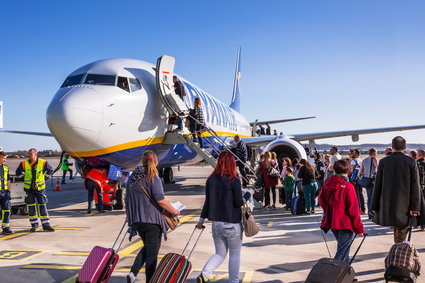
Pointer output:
236, 98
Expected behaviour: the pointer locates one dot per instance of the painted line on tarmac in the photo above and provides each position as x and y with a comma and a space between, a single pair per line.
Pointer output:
15, 235
269, 224
128, 252
55, 226
19, 254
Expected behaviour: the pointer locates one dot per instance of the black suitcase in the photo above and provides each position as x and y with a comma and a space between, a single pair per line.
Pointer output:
298, 205
329, 270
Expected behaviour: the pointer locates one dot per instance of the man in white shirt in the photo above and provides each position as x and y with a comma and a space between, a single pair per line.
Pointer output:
334, 157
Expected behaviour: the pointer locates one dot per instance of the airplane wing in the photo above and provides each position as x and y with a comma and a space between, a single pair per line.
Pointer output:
28, 133
259, 141
279, 121
353, 133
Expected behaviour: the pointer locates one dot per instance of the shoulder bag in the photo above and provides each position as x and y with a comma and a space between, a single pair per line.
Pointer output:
273, 172
172, 221
371, 180
249, 225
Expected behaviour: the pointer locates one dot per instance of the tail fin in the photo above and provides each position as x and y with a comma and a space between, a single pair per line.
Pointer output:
236, 98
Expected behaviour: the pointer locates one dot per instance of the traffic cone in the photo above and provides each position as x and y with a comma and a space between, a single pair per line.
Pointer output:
58, 186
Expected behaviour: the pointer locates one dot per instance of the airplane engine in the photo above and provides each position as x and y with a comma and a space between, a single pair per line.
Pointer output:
285, 147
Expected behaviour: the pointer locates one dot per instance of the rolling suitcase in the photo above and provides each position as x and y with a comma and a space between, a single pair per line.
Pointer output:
173, 267
402, 262
298, 204
329, 270
100, 263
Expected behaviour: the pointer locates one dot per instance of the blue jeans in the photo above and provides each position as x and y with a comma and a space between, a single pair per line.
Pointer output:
309, 192
344, 237
289, 195
369, 191
227, 238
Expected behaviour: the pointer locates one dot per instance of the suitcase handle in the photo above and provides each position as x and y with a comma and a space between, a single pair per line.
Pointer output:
119, 234
199, 236
358, 248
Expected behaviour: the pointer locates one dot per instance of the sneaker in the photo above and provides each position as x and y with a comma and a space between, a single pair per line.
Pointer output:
7, 231
308, 212
131, 278
48, 229
200, 279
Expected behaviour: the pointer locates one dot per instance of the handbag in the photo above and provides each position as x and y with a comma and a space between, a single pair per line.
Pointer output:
172, 221
250, 227
273, 172
371, 180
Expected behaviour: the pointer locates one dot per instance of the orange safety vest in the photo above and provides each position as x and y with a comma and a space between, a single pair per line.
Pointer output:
99, 176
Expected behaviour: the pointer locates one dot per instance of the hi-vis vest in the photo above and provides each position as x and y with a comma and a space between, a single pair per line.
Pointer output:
99, 176
39, 175
65, 166
4, 180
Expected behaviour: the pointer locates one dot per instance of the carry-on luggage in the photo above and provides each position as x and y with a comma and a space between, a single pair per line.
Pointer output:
329, 270
100, 263
298, 204
173, 267
402, 262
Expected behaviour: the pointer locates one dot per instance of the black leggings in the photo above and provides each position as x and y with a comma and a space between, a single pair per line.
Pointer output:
267, 196
151, 237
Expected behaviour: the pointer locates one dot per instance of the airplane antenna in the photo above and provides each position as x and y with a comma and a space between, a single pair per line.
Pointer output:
235, 104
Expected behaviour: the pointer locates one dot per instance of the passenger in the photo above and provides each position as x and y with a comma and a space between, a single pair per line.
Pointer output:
143, 213
307, 174
65, 168
34, 170
367, 176
413, 154
179, 90
327, 161
198, 124
241, 151
341, 209
223, 201
355, 162
275, 132
296, 166
270, 183
320, 169
262, 131
94, 181
334, 157
289, 186
421, 169
396, 193
281, 134
388, 151
285, 164
5, 205
268, 129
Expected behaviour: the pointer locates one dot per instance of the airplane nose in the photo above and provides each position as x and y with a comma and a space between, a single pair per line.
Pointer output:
75, 117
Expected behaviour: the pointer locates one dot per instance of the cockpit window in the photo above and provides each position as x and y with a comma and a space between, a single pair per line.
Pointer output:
134, 84
123, 83
92, 79
73, 80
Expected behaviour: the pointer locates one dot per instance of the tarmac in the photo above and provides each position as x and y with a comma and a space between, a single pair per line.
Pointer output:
284, 251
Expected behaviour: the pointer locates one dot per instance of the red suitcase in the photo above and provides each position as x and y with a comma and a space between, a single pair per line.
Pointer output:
100, 263
174, 268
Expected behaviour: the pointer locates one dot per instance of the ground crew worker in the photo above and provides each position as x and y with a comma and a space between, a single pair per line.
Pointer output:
5, 205
34, 170
94, 181
65, 168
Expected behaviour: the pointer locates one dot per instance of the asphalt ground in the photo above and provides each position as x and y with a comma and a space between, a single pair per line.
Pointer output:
284, 251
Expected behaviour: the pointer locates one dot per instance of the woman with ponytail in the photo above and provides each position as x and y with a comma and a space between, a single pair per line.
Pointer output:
143, 216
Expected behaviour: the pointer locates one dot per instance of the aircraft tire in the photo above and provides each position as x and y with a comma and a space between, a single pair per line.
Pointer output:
15, 210
119, 199
168, 175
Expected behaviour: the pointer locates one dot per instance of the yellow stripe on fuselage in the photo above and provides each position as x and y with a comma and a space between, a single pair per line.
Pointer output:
134, 144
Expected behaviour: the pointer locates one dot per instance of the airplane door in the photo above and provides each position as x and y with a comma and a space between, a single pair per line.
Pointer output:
164, 84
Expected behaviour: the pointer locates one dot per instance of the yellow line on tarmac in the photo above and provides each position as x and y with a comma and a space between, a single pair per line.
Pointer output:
13, 236
269, 224
72, 253
127, 252
248, 276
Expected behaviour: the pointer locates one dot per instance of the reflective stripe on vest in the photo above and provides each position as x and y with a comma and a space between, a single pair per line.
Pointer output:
39, 175
4, 181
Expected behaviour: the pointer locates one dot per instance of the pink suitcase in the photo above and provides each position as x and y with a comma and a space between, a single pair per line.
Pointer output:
100, 263
98, 266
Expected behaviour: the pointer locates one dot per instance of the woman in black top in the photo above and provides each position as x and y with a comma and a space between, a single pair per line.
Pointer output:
308, 174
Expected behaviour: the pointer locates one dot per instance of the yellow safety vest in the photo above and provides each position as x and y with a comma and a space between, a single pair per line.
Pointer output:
39, 175
4, 179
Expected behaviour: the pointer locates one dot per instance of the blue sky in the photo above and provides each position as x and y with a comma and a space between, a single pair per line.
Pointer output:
352, 64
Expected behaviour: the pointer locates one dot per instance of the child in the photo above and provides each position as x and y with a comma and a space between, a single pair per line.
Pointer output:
289, 186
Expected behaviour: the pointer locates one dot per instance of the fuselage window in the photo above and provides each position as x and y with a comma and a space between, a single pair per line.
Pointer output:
123, 83
92, 79
134, 84
73, 80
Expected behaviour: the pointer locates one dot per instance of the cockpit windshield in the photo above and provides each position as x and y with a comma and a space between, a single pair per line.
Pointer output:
92, 79
73, 80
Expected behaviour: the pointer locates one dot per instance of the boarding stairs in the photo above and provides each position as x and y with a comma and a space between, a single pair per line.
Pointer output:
176, 107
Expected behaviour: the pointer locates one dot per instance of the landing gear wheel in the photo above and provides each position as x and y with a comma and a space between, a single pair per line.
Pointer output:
15, 210
119, 199
168, 175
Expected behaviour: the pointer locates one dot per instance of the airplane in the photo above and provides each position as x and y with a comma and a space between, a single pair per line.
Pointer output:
111, 111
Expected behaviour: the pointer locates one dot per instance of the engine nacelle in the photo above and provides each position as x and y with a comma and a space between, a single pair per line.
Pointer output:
286, 147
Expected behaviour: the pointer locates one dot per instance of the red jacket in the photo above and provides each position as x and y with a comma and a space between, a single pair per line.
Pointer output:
99, 176
339, 202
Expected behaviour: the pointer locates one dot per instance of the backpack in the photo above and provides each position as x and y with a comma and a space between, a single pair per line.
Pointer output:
354, 174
